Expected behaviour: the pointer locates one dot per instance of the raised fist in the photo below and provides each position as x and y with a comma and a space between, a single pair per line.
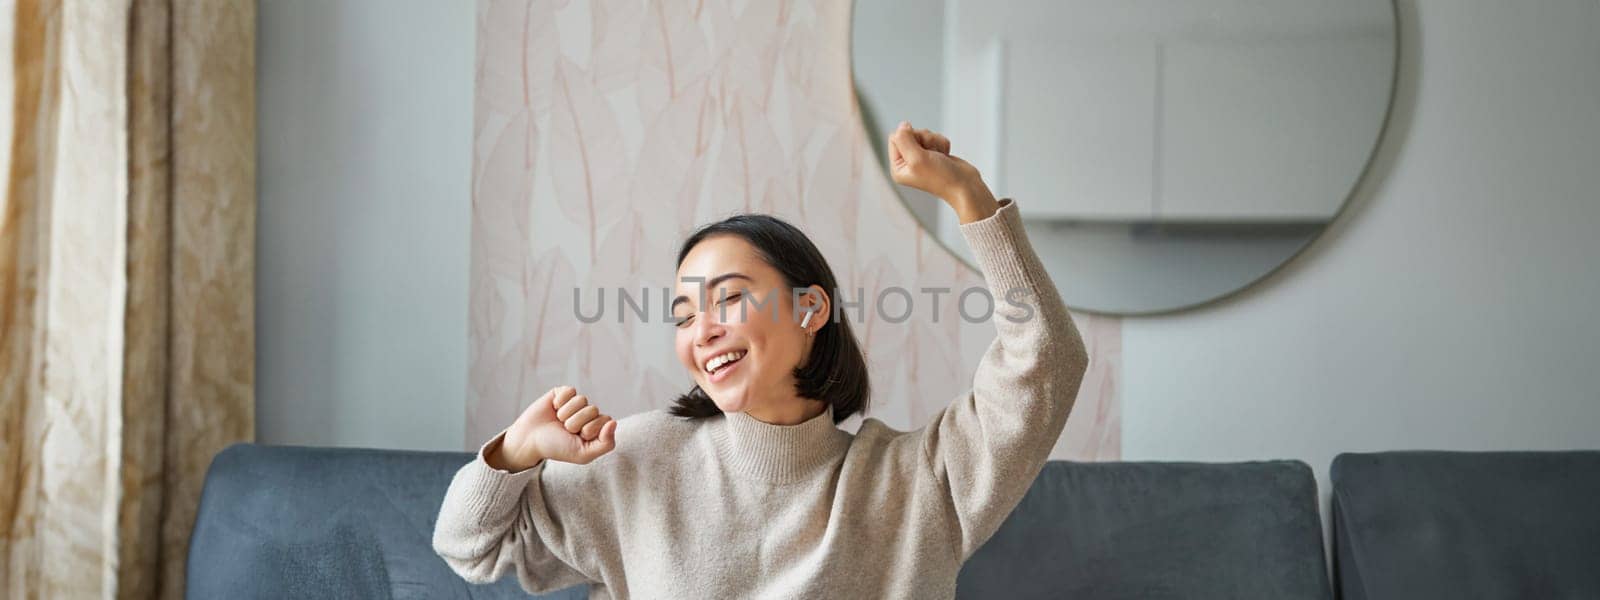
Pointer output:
921, 159
562, 426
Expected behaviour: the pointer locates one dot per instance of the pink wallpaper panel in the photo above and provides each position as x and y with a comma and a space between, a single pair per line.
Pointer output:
605, 131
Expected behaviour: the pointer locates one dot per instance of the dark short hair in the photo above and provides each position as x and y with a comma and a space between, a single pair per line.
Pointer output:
836, 370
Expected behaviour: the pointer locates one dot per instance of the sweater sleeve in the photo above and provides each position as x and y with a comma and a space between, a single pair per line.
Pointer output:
493, 521
987, 447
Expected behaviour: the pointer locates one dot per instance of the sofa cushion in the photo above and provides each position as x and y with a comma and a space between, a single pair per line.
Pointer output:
1435, 524
296, 522
1158, 530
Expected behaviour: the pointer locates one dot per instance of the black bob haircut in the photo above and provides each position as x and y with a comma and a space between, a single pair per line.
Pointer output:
836, 370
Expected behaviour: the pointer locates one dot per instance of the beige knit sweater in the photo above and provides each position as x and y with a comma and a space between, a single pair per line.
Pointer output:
732, 507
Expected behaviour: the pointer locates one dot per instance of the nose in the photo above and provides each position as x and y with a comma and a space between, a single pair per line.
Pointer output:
707, 328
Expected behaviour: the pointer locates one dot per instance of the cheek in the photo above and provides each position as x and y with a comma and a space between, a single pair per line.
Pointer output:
683, 344
775, 348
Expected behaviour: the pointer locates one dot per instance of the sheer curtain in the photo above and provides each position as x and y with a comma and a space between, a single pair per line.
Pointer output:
126, 284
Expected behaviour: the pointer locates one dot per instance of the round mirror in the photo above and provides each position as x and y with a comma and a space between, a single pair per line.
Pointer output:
1163, 154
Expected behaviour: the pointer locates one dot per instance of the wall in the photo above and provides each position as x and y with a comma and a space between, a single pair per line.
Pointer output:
365, 137
1449, 307
1452, 306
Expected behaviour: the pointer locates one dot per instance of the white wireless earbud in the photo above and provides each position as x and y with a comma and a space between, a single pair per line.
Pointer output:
806, 321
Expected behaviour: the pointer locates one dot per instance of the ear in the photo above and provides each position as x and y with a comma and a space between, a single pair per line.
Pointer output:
817, 301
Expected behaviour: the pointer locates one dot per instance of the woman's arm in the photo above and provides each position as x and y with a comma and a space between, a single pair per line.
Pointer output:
493, 521
988, 446
526, 502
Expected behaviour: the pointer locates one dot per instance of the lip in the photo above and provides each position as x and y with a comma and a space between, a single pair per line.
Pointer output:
728, 370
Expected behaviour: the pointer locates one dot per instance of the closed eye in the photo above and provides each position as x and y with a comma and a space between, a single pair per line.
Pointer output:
685, 320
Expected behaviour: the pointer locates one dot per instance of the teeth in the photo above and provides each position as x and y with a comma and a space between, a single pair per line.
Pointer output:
715, 363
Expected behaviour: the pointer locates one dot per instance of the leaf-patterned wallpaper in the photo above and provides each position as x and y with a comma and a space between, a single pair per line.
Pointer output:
605, 131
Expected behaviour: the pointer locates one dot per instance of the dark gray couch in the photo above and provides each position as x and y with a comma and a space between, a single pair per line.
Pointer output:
1422, 525
1157, 530
292, 522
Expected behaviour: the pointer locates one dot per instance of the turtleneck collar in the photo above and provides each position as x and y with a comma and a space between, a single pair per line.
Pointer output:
779, 453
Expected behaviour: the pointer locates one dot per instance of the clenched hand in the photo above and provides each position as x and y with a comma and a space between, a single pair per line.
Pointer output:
562, 426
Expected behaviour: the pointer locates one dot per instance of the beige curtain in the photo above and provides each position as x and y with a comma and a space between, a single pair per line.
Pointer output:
127, 232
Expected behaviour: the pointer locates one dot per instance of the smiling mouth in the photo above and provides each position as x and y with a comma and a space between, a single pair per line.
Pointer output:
723, 364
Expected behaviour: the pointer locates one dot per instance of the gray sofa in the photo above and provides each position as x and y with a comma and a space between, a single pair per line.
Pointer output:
295, 522
1429, 525
1157, 530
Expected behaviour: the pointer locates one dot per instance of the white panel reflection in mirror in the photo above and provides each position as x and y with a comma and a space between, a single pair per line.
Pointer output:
1164, 154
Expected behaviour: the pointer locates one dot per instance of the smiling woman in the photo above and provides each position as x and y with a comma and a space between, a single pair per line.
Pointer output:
746, 487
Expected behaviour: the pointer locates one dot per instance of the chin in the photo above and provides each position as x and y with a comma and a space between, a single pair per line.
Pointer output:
729, 402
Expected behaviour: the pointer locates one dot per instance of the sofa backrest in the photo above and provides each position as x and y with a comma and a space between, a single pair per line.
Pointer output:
295, 522
1435, 524
1158, 530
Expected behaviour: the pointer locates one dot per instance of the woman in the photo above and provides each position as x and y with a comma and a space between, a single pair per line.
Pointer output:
747, 488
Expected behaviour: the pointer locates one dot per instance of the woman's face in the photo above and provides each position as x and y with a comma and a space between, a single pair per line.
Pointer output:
720, 274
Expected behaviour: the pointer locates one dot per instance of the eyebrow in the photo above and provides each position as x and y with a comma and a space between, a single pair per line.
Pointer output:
712, 283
